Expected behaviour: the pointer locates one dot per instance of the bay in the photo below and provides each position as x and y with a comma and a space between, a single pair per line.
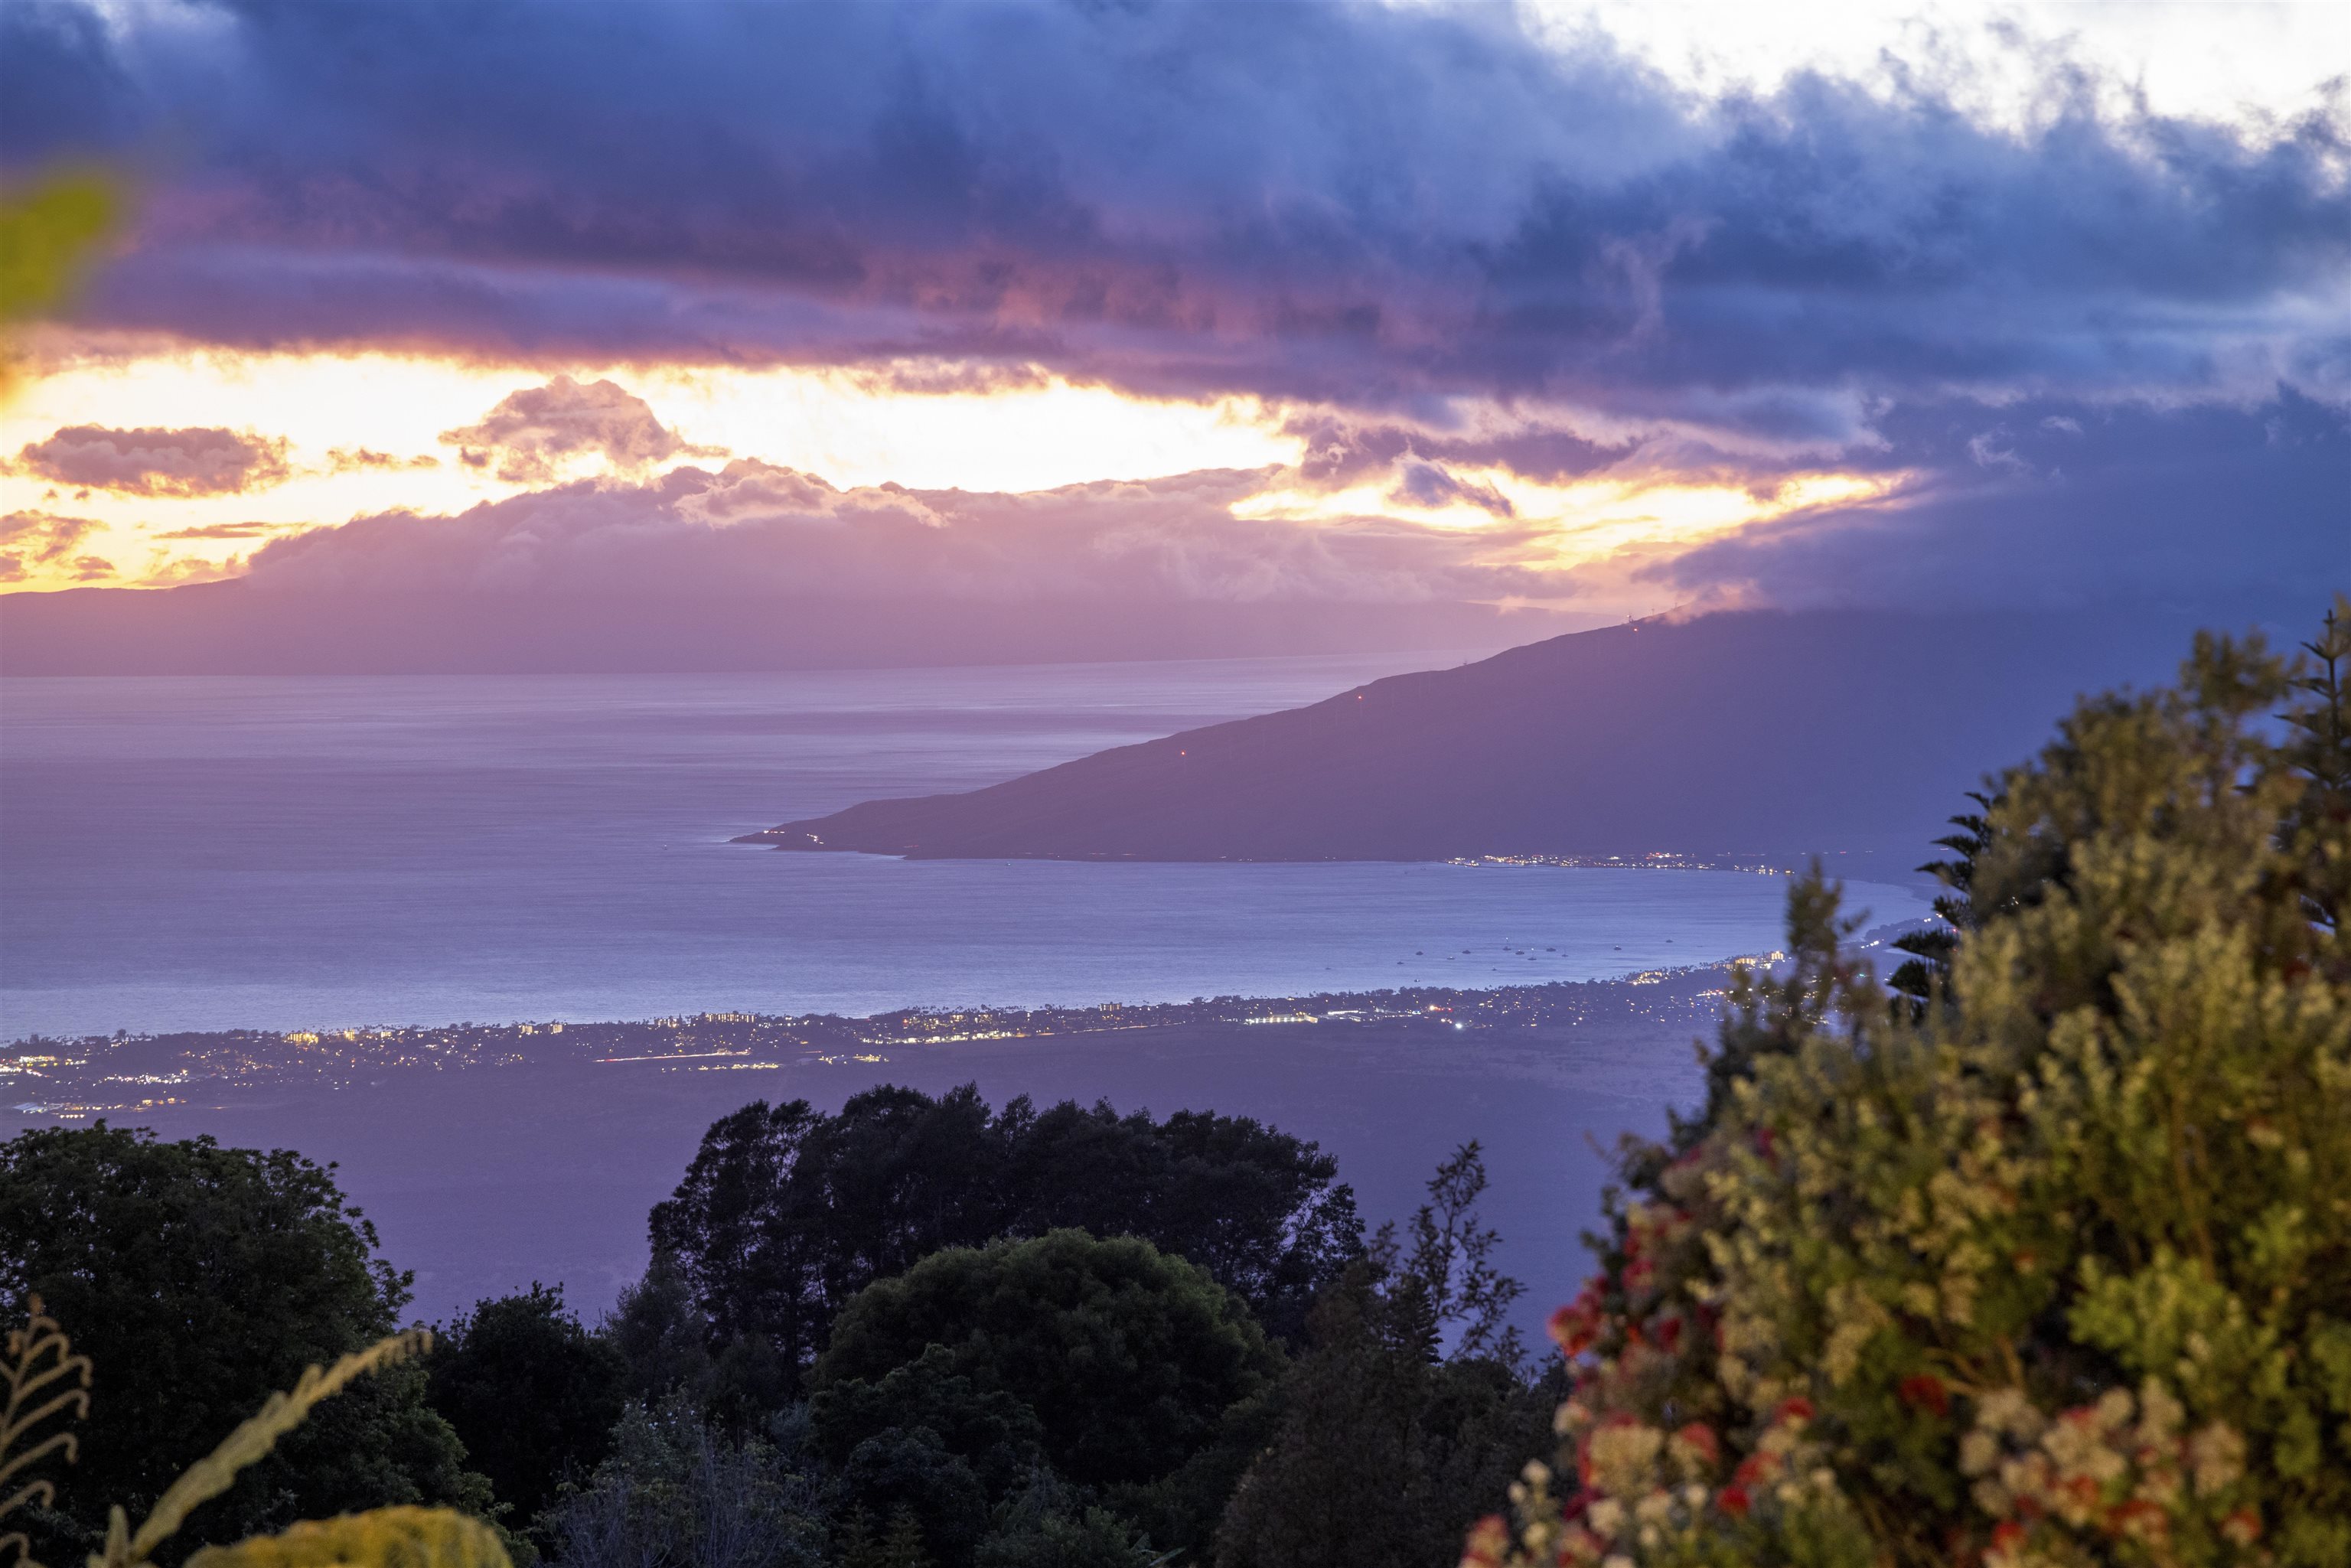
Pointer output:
279, 852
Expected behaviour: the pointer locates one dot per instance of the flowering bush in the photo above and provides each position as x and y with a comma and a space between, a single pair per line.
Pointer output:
2051, 1265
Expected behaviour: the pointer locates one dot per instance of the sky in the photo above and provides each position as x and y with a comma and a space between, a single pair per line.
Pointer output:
1604, 310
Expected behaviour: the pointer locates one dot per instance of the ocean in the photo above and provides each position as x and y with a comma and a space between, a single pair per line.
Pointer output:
202, 853
280, 853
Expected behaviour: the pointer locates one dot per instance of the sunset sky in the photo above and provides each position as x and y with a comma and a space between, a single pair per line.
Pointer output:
1607, 310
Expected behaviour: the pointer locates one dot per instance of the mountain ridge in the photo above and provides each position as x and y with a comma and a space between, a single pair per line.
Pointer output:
1750, 733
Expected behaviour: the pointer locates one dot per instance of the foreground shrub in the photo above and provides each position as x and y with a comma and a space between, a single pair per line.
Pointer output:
2053, 1266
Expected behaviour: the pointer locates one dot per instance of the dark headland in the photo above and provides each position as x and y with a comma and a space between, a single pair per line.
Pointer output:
1756, 733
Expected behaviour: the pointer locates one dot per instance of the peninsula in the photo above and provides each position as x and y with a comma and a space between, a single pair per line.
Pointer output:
1727, 737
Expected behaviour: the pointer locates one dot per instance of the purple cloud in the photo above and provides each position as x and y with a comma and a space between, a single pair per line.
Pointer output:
755, 530
359, 459
529, 434
1353, 204
1393, 221
226, 531
29, 540
149, 462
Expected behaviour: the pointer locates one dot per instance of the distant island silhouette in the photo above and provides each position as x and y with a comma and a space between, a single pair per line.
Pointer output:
1748, 735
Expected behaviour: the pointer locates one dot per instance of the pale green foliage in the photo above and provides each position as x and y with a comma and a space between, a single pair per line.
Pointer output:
2053, 1268
384, 1537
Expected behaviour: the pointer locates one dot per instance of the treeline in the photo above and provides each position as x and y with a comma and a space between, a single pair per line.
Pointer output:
920, 1330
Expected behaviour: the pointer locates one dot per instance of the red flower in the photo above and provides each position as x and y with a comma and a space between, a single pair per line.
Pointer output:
2140, 1513
1698, 1435
2006, 1536
1577, 1324
1755, 1469
1794, 1408
1733, 1501
1925, 1392
1669, 1334
1488, 1543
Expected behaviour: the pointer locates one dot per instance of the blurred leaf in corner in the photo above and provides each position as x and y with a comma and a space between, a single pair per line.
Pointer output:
49, 234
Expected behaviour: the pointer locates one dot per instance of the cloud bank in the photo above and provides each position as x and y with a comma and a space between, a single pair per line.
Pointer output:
755, 530
1370, 204
2109, 350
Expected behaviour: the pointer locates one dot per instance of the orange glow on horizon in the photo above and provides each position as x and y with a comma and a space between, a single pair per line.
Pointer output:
851, 428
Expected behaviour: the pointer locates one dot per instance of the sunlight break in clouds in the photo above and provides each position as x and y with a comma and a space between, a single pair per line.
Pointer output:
1840, 305
856, 429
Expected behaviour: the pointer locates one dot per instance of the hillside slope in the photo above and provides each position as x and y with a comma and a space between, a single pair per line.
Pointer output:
1755, 733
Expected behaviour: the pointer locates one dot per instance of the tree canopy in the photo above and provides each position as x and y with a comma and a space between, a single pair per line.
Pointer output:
785, 1212
2052, 1264
1128, 1374
1408, 1412
199, 1281
530, 1390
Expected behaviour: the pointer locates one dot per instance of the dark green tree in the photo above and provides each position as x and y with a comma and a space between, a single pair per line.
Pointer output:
1128, 1375
1928, 967
679, 1492
786, 1213
1408, 1410
899, 1545
1050, 1525
531, 1393
200, 1280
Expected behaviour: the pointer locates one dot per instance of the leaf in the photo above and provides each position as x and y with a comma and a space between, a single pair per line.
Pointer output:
380, 1538
39, 1358
217, 1471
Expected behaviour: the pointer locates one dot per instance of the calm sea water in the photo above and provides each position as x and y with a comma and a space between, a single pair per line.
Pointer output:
207, 852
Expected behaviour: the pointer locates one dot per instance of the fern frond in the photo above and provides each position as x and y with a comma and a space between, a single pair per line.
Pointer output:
39, 1357
217, 1471
381, 1537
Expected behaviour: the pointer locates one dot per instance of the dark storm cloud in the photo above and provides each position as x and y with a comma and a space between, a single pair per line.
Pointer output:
151, 462
2043, 504
1426, 484
1365, 205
